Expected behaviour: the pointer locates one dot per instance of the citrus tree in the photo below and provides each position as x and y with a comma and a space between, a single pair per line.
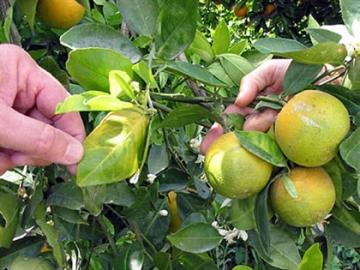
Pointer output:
149, 83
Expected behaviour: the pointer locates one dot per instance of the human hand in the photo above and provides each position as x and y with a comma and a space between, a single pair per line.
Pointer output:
266, 79
30, 132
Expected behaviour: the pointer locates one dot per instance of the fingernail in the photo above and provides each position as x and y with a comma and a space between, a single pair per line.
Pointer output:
74, 152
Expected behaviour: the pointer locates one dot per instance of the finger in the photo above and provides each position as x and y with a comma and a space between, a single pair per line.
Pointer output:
72, 169
34, 113
269, 75
50, 93
260, 121
35, 138
215, 132
21, 159
5, 163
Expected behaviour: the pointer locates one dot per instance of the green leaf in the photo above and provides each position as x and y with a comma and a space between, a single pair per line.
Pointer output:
120, 84
221, 40
186, 115
283, 251
94, 198
28, 7
91, 67
239, 47
242, 267
66, 195
242, 213
322, 53
201, 47
218, 71
263, 146
195, 261
99, 36
10, 206
92, 101
289, 186
162, 261
114, 149
352, 80
312, 259
172, 179
69, 215
196, 72
344, 227
298, 76
140, 15
350, 150
158, 159
49, 64
196, 238
119, 194
143, 70
350, 10
335, 174
235, 66
177, 27
321, 35
131, 257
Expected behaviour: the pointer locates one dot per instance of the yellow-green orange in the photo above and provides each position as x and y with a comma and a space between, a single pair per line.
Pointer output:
233, 171
30, 263
310, 127
315, 197
60, 13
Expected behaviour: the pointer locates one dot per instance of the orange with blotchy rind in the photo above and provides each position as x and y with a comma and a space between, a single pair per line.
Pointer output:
61, 14
310, 127
315, 197
232, 170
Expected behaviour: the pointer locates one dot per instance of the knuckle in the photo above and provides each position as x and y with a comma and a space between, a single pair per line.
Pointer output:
46, 141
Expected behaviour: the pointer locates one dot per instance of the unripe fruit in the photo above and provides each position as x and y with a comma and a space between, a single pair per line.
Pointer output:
310, 128
315, 197
233, 171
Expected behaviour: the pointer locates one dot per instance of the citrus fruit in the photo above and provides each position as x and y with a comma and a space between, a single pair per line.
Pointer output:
315, 197
310, 127
240, 11
175, 220
269, 9
60, 13
29, 263
233, 171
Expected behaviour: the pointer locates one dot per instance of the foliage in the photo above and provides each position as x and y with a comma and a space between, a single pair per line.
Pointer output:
180, 65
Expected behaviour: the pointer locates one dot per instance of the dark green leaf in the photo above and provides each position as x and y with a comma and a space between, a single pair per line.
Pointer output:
335, 174
99, 36
140, 15
196, 238
172, 179
71, 216
94, 198
162, 261
195, 261
119, 194
91, 67
66, 195
131, 257
263, 146
49, 64
196, 72
312, 259
219, 72
158, 159
298, 76
221, 40
185, 115
350, 150
352, 80
242, 213
177, 27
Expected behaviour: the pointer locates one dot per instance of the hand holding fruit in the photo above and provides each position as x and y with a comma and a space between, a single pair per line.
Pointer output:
266, 79
30, 132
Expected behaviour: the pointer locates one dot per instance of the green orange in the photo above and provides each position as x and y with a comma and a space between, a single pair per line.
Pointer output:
310, 127
315, 197
232, 170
